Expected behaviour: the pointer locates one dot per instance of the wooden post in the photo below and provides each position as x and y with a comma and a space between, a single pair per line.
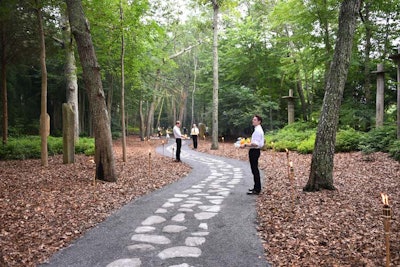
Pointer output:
387, 216
68, 115
380, 96
291, 180
149, 164
290, 98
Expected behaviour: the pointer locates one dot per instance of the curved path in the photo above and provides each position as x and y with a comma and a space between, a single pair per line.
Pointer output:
205, 219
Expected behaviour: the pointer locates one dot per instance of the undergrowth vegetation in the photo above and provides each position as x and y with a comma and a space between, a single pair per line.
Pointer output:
29, 147
300, 137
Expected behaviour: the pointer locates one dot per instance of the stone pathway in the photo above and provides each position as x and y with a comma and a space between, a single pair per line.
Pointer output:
184, 229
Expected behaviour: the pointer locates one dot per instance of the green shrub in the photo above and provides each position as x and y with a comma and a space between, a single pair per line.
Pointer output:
90, 151
54, 145
292, 136
285, 144
21, 148
378, 139
116, 135
85, 146
307, 146
348, 140
29, 147
394, 150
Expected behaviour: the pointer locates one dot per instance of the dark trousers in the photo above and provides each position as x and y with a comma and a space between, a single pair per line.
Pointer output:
178, 148
194, 137
254, 154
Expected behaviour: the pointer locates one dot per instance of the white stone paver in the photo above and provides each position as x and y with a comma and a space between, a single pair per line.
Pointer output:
174, 228
141, 247
200, 233
144, 229
181, 265
204, 215
155, 219
179, 252
135, 262
193, 241
156, 239
180, 217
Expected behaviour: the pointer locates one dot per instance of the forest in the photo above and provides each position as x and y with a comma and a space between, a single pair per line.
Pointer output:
132, 68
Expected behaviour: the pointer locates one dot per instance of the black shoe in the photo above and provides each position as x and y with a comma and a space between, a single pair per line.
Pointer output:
251, 189
177, 160
253, 192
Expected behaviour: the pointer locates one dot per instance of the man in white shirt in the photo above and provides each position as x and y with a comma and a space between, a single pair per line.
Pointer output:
194, 133
257, 142
178, 139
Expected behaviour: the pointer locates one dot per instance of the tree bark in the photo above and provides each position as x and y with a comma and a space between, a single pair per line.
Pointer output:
150, 118
142, 126
325, 26
70, 73
194, 88
4, 83
304, 107
44, 117
104, 157
122, 84
321, 176
214, 137
367, 52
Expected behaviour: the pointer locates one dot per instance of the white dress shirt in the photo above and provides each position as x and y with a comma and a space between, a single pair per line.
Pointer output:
177, 132
257, 137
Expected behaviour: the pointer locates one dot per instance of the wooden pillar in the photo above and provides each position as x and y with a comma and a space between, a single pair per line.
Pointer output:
380, 95
202, 130
290, 98
396, 59
68, 115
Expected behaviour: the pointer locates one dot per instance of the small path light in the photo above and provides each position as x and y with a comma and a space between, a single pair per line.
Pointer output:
387, 216
149, 163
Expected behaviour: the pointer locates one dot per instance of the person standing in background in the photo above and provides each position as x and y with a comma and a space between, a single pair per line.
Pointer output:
194, 133
178, 139
257, 142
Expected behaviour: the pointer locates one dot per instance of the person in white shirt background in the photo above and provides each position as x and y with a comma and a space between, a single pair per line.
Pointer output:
178, 139
257, 142
194, 133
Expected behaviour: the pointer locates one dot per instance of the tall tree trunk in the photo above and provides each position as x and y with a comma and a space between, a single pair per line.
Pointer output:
104, 157
122, 84
214, 137
4, 83
367, 51
173, 106
326, 32
110, 95
160, 111
303, 102
321, 176
44, 117
142, 126
70, 72
82, 108
150, 117
194, 88
182, 106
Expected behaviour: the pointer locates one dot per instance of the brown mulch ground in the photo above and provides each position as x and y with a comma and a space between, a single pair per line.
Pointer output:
44, 209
